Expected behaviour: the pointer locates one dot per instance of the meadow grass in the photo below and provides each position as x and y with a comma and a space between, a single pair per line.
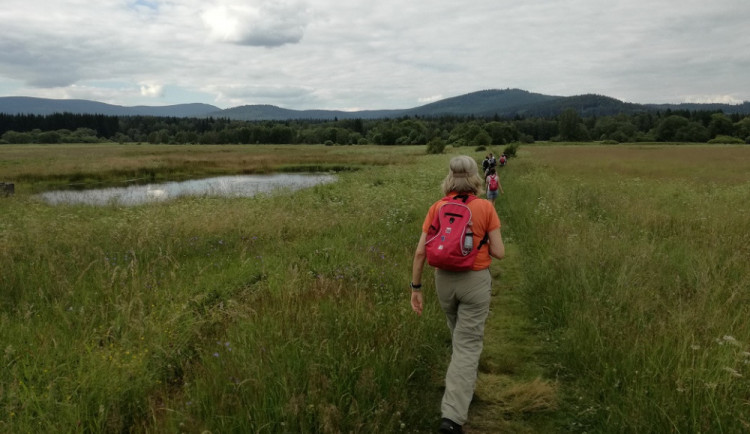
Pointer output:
621, 306
636, 264
278, 313
41, 167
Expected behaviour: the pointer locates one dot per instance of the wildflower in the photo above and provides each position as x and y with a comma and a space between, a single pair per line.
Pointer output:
733, 372
216, 354
695, 347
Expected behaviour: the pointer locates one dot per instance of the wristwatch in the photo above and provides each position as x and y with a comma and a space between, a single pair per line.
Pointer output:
415, 287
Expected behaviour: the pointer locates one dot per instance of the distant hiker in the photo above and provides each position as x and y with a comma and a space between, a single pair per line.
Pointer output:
493, 161
486, 164
492, 184
503, 160
464, 296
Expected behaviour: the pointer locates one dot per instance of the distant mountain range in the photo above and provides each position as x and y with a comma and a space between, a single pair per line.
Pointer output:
42, 106
486, 103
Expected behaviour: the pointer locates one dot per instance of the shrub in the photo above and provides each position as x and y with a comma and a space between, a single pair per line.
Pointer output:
436, 146
726, 140
48, 137
16, 137
511, 149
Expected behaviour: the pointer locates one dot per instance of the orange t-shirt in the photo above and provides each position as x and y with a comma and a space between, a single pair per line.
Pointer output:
484, 220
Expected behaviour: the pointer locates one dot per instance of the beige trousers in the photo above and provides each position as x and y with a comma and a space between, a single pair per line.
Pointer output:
465, 299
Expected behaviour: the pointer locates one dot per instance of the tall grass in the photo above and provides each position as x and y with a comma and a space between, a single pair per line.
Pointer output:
289, 312
280, 313
636, 264
38, 167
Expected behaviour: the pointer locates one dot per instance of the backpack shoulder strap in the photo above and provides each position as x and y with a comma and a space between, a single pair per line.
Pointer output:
463, 197
484, 240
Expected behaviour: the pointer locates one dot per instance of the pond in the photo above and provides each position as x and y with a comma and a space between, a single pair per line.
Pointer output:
224, 186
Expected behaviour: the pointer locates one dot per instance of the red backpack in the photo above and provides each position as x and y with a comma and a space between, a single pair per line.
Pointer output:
450, 240
493, 182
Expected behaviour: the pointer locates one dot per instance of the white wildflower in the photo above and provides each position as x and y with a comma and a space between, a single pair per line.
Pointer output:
733, 372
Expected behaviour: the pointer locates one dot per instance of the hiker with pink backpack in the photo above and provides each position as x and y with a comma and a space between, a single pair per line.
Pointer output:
460, 236
492, 183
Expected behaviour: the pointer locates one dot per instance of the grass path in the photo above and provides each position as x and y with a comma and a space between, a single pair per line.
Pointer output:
511, 394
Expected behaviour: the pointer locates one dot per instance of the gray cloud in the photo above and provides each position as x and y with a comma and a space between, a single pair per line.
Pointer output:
38, 65
362, 54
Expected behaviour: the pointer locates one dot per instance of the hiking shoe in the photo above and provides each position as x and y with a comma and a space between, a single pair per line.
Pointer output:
450, 427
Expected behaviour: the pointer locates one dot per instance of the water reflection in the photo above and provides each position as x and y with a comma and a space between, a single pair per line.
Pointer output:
225, 186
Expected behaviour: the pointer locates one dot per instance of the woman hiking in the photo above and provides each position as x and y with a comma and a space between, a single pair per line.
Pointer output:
464, 296
492, 183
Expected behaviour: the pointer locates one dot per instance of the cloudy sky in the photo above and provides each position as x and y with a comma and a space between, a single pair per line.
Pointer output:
365, 54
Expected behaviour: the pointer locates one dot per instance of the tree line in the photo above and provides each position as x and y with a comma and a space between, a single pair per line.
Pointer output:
666, 126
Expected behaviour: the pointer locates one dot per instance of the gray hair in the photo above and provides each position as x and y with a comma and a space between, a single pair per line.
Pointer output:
463, 176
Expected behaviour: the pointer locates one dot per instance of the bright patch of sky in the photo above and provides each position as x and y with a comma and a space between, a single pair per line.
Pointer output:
146, 3
325, 54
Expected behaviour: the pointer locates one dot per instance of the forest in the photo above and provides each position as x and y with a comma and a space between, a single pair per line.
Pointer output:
569, 125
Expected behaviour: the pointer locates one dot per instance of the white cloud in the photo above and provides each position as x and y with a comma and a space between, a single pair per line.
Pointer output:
238, 94
718, 99
152, 90
267, 24
429, 99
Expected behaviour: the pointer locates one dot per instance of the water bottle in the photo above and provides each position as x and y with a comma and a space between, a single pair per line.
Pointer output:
468, 242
